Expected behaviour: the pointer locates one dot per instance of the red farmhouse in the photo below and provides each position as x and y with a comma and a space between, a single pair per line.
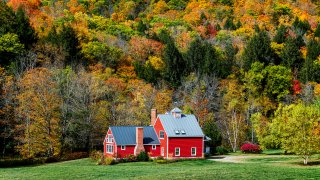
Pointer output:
171, 135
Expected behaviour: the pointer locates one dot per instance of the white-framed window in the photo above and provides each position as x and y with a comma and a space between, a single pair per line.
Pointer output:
154, 147
109, 148
123, 147
193, 151
162, 151
161, 134
177, 151
110, 138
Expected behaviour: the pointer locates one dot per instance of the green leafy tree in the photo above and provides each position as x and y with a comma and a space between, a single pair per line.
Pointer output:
278, 81
298, 129
10, 46
99, 52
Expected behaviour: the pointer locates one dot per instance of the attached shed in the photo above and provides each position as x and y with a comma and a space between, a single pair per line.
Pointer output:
131, 140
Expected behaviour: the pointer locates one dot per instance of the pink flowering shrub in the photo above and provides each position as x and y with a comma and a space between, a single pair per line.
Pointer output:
250, 148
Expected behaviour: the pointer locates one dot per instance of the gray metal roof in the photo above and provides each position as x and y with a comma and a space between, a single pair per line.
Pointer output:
187, 123
176, 110
126, 135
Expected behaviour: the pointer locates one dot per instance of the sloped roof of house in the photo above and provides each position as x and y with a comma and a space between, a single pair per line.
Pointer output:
126, 135
176, 110
185, 126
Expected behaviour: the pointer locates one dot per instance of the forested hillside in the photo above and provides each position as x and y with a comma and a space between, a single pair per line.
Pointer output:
248, 69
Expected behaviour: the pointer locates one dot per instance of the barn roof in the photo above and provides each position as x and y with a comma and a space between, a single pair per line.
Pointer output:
126, 135
185, 126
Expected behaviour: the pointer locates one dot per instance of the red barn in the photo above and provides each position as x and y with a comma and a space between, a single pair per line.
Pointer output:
171, 135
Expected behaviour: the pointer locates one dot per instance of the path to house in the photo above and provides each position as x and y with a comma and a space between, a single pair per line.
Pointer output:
238, 159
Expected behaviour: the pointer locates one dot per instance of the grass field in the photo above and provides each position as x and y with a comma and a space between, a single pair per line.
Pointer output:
275, 167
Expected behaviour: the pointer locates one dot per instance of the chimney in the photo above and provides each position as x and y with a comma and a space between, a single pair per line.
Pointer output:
153, 116
139, 141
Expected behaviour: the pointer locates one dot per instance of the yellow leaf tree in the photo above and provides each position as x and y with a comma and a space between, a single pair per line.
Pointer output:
39, 114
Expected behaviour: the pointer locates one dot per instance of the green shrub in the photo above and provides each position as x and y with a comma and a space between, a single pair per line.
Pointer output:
20, 162
142, 156
221, 150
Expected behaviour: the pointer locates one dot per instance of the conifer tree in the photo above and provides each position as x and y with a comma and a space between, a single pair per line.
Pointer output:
24, 30
258, 49
317, 32
291, 55
280, 37
174, 63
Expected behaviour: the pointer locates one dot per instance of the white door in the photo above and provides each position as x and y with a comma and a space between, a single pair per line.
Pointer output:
162, 151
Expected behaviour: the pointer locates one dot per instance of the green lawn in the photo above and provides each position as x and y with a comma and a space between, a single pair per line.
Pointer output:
200, 169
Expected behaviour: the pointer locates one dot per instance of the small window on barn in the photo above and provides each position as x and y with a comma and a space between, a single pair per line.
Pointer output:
123, 147
110, 138
177, 132
154, 147
193, 151
161, 134
109, 148
177, 151
183, 132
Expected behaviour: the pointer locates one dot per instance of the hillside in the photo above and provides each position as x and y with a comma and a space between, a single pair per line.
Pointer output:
70, 69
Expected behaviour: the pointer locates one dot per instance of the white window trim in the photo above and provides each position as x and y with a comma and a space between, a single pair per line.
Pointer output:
111, 148
154, 147
160, 134
175, 151
123, 147
110, 138
195, 151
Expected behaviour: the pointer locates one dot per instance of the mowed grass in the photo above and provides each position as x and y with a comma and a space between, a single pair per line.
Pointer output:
199, 169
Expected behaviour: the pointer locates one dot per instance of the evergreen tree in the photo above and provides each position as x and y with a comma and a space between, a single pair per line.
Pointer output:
317, 32
301, 27
8, 21
239, 24
229, 25
291, 55
280, 37
211, 63
311, 70
174, 63
194, 56
24, 30
258, 49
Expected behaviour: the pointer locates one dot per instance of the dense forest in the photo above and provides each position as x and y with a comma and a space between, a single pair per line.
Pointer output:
248, 69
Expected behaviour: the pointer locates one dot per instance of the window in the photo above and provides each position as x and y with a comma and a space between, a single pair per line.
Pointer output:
109, 148
177, 152
110, 138
183, 132
123, 147
154, 147
162, 151
161, 134
193, 151
177, 132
